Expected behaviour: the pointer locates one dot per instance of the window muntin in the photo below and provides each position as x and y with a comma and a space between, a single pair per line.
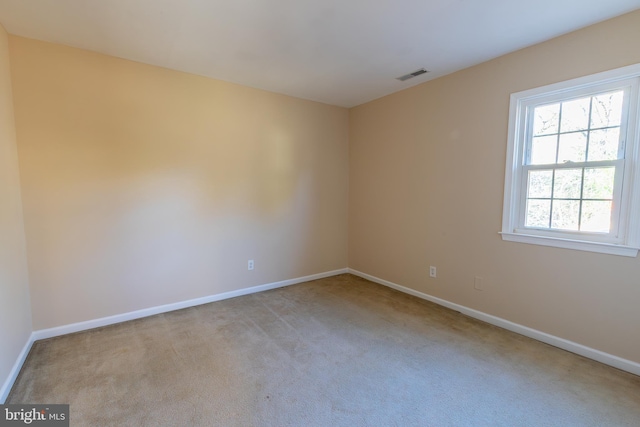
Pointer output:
574, 151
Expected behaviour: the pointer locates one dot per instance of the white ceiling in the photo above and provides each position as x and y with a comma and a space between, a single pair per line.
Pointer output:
341, 52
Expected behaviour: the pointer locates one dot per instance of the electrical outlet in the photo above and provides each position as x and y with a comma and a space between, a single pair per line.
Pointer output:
432, 271
477, 283
250, 265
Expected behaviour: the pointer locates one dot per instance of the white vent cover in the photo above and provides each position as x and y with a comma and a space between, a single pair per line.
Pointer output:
412, 75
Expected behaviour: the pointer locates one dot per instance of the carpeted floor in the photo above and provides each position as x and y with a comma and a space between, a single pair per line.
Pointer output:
340, 351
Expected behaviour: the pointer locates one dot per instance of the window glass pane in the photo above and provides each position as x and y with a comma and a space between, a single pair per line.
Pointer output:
573, 147
575, 115
567, 184
546, 119
543, 150
538, 213
565, 214
596, 216
606, 110
598, 183
540, 184
603, 144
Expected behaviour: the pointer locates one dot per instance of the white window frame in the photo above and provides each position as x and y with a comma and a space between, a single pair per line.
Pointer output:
626, 215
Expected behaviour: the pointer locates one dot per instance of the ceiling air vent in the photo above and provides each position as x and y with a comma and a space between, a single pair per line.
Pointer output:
412, 75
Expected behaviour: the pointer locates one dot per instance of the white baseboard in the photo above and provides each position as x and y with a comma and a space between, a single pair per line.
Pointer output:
118, 318
600, 356
608, 359
13, 374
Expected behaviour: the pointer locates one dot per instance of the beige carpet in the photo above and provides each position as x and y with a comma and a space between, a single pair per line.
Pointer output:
340, 351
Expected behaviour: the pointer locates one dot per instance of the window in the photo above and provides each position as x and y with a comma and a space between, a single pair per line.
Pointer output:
573, 173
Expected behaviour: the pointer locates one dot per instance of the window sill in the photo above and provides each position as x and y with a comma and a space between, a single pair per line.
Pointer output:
579, 245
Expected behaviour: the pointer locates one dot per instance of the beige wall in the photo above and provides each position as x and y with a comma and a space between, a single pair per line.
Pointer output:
144, 186
426, 185
15, 309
